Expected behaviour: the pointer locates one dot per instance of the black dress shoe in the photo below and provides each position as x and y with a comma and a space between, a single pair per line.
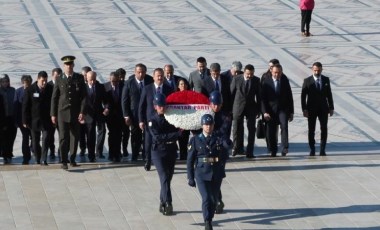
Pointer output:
25, 162
161, 208
273, 154
284, 152
44, 163
312, 152
92, 160
322, 153
74, 164
250, 156
64, 166
219, 207
38, 162
208, 225
234, 153
147, 165
168, 209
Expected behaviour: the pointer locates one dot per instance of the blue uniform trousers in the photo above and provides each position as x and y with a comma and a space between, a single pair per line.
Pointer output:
210, 191
165, 169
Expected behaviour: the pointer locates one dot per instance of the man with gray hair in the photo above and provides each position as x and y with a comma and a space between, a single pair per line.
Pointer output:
235, 70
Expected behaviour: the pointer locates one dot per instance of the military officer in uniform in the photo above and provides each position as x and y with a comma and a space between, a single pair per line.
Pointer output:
68, 103
206, 161
222, 126
164, 151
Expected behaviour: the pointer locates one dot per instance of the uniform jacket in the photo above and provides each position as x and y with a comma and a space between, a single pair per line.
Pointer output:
245, 103
197, 82
131, 98
36, 107
198, 149
271, 102
313, 99
306, 4
164, 137
146, 108
69, 98
95, 103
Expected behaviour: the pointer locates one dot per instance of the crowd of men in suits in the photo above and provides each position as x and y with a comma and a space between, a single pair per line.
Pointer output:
81, 108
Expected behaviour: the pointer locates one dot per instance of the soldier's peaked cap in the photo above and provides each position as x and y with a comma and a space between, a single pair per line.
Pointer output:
68, 59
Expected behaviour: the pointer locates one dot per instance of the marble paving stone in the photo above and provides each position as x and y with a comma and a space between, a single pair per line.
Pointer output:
161, 7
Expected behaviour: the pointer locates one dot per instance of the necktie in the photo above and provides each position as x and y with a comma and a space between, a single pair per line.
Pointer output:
246, 86
277, 86
158, 90
115, 95
141, 86
208, 139
217, 85
318, 84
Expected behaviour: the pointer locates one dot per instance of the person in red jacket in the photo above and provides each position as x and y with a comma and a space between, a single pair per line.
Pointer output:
306, 7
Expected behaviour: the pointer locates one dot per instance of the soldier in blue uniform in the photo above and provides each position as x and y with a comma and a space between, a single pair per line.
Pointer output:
164, 151
222, 129
206, 161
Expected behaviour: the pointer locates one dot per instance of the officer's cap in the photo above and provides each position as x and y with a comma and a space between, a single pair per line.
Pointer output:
68, 59
216, 97
159, 99
207, 119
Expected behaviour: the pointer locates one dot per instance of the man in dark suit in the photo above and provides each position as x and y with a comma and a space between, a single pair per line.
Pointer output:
114, 116
69, 101
36, 115
171, 79
55, 73
245, 90
83, 136
26, 81
317, 102
235, 70
96, 99
278, 108
125, 128
198, 77
147, 111
130, 100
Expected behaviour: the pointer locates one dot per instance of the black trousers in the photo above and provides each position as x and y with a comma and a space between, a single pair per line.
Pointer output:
68, 140
125, 139
147, 143
114, 125
136, 141
183, 141
83, 138
9, 136
238, 132
312, 120
165, 169
25, 145
272, 125
101, 137
91, 138
305, 20
41, 152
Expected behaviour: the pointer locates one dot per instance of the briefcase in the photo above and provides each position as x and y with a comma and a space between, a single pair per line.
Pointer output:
260, 130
